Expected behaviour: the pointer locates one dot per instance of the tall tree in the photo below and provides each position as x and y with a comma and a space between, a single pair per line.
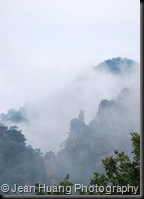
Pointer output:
120, 171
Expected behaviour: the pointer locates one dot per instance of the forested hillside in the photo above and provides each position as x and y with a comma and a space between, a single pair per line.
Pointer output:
86, 142
19, 164
80, 153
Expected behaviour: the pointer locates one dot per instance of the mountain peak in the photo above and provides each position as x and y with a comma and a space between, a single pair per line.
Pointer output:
117, 65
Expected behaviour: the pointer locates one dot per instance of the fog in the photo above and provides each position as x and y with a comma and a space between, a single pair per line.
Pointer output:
74, 127
48, 120
48, 54
69, 85
45, 44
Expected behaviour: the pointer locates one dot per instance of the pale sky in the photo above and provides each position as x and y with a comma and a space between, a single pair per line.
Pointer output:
46, 43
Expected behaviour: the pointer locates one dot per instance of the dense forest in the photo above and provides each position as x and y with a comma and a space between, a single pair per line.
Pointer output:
80, 153
19, 164
86, 152
121, 176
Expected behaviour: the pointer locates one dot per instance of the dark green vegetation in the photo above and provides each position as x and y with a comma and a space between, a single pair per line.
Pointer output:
80, 154
19, 164
119, 171
86, 145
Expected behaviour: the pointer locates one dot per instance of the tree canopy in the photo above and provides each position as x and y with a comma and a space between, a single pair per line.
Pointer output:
120, 171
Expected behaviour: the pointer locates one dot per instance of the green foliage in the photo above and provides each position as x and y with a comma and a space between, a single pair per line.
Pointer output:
136, 146
120, 170
19, 163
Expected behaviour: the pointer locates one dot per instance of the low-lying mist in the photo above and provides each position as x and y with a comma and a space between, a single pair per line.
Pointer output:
45, 124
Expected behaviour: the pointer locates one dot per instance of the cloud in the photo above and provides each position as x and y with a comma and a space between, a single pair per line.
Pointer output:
44, 44
48, 120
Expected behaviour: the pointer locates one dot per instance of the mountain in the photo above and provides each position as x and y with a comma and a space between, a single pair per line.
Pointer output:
117, 65
86, 145
19, 164
42, 122
14, 116
113, 115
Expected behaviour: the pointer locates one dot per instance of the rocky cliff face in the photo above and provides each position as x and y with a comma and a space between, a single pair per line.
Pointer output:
86, 143
112, 117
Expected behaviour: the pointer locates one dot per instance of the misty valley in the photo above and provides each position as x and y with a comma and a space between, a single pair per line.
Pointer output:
27, 134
